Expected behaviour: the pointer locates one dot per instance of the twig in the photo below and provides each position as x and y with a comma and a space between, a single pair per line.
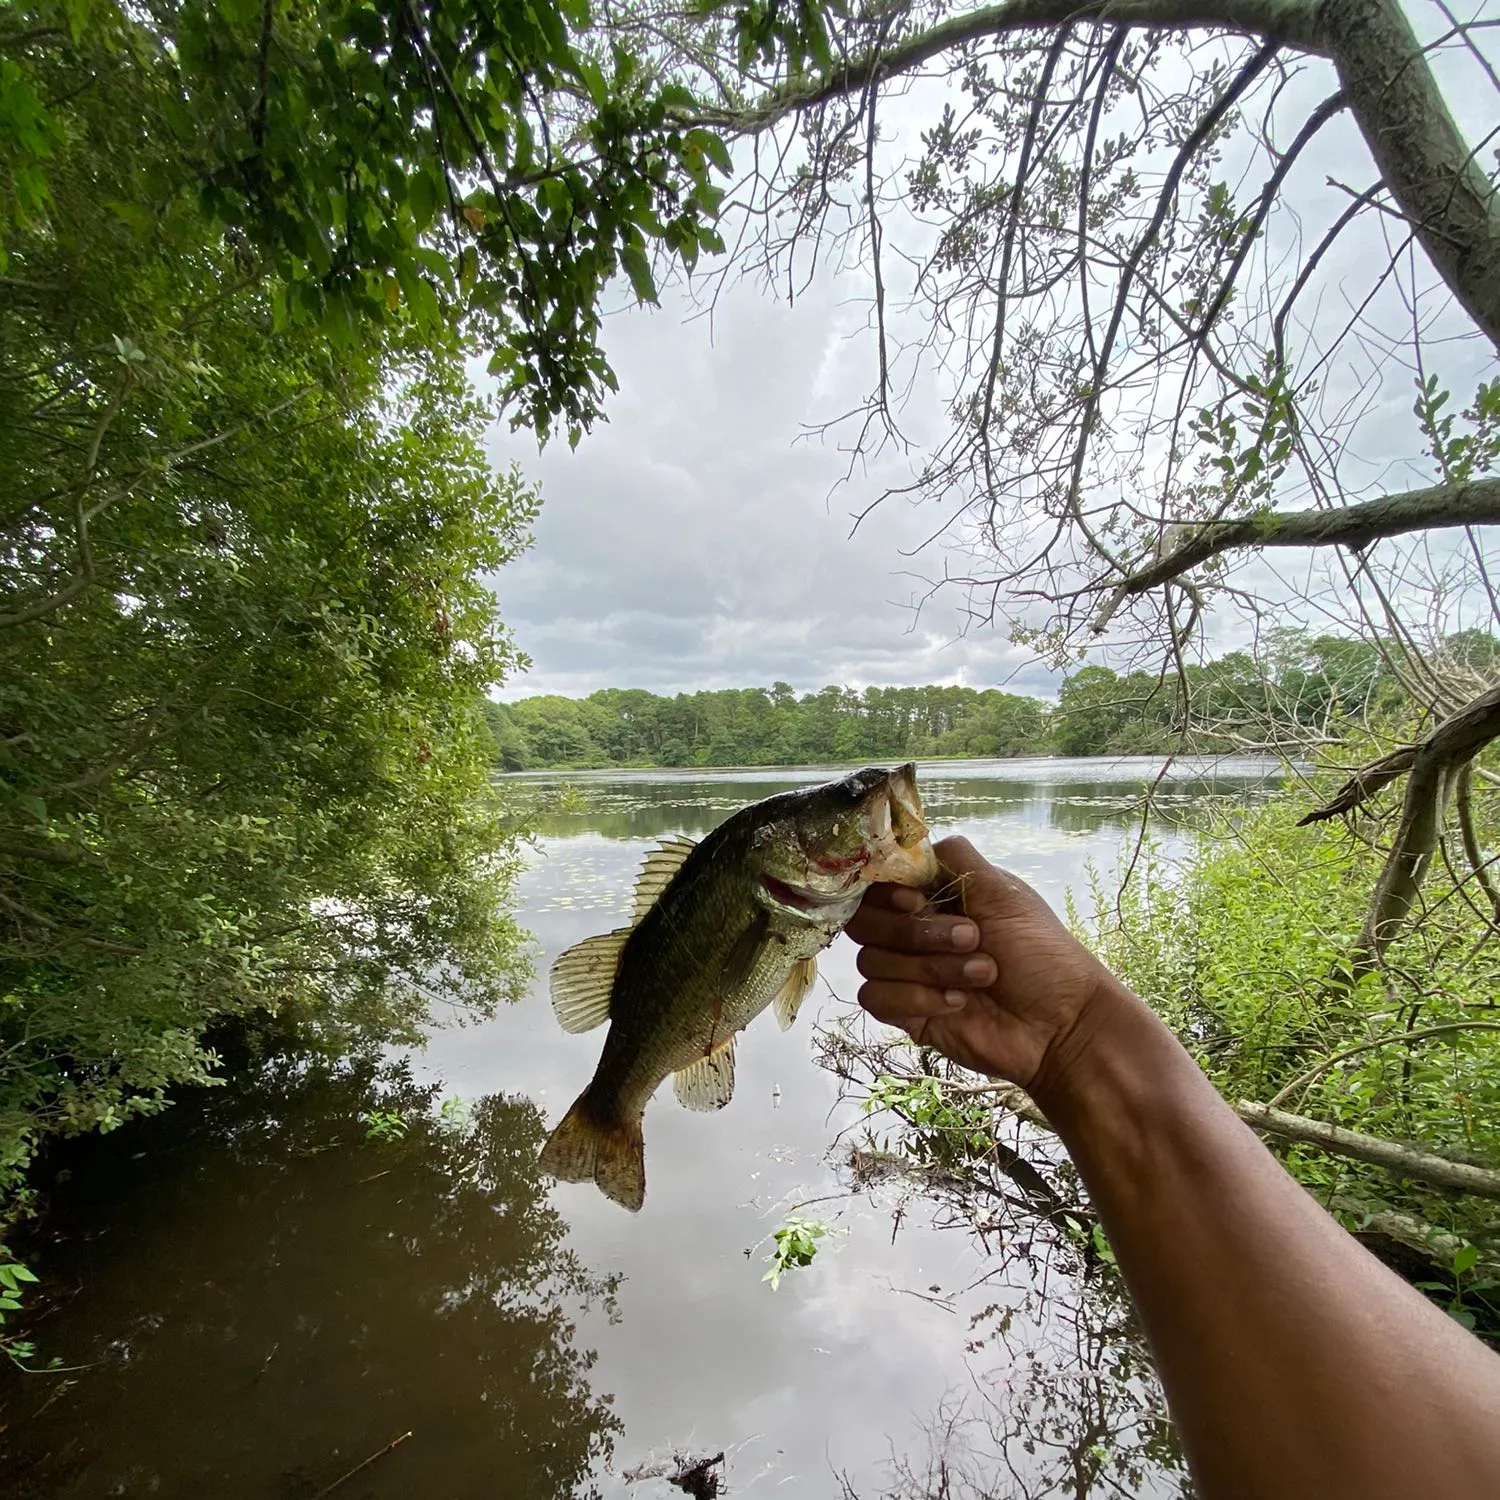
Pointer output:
345, 1478
1312, 1074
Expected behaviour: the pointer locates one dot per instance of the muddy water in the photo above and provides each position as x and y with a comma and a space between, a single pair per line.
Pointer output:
257, 1298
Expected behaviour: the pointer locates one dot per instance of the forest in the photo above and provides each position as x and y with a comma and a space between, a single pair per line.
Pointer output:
1317, 685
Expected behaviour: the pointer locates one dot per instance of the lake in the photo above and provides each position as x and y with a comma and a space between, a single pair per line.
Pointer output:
258, 1298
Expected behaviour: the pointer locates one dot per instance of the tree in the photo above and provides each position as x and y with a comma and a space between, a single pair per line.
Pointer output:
247, 252
1172, 350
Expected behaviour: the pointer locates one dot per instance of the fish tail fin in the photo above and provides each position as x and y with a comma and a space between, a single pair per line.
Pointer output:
610, 1153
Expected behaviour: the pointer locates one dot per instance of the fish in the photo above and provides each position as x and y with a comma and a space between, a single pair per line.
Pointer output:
721, 930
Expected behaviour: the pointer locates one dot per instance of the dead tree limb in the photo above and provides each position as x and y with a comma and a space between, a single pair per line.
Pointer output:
1363, 785
1389, 1156
1445, 752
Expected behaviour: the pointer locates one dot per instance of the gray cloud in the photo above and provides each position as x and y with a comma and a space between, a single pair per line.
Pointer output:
695, 542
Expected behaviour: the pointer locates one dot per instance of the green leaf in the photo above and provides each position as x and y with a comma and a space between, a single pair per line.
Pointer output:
638, 269
1465, 1259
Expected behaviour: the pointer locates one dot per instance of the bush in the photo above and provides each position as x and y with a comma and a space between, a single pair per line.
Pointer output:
1241, 945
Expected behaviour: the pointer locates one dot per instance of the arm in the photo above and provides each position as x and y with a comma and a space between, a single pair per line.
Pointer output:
1296, 1365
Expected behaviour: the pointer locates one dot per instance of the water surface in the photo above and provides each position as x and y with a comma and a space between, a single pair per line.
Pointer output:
261, 1298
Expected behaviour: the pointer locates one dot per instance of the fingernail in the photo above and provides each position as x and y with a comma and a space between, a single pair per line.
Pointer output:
963, 934
904, 898
978, 968
955, 999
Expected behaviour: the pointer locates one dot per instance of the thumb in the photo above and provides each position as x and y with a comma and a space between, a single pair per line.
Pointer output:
982, 889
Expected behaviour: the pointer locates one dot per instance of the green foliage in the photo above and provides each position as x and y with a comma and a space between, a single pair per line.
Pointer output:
1242, 945
249, 254
945, 1129
374, 164
758, 726
384, 1125
796, 1244
13, 1278
1305, 682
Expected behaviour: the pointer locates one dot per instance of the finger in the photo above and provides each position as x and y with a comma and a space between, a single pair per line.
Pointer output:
909, 1006
986, 888
929, 932
935, 971
895, 897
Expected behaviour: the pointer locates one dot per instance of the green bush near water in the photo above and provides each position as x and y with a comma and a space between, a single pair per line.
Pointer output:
1242, 946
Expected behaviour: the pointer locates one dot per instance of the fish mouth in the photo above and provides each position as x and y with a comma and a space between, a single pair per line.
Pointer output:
800, 898
900, 849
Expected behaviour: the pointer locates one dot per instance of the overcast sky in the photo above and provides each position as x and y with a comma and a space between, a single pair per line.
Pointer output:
695, 542
702, 539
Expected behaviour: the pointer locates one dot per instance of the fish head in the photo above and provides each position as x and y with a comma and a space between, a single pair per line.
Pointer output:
818, 856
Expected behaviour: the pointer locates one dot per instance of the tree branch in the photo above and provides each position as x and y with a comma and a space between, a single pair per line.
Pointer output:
1363, 785
1297, 23
1430, 171
1476, 503
1390, 1156
1455, 742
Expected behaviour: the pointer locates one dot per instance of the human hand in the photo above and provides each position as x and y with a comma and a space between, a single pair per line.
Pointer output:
986, 973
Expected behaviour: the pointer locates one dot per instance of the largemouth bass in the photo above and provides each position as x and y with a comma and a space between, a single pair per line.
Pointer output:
721, 930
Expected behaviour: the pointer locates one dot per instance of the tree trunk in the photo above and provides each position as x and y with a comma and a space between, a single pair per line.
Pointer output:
1427, 166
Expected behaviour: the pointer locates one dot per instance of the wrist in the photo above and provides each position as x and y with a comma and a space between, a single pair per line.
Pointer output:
1107, 1053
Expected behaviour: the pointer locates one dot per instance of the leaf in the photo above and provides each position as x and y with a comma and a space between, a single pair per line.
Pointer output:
638, 269
1465, 1259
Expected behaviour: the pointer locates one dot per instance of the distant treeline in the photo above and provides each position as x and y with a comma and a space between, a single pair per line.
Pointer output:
1309, 681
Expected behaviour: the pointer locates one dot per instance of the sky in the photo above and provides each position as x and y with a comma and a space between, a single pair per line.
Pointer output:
703, 537
700, 539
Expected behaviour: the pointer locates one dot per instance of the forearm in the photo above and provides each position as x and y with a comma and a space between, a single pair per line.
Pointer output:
1295, 1363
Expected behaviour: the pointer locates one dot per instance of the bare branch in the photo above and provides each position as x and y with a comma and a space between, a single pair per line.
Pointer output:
1476, 503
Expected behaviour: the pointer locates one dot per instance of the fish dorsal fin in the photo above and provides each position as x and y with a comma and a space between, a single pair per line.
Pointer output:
789, 1000
707, 1084
662, 863
582, 979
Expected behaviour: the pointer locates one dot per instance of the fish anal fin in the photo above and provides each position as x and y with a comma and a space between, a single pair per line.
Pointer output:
661, 864
611, 1154
582, 979
707, 1084
789, 998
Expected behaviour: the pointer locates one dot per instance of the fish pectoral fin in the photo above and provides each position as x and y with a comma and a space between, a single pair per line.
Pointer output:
582, 979
791, 995
744, 954
662, 863
707, 1084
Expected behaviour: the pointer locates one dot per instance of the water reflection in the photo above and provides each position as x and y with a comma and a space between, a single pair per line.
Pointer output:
1076, 796
264, 1299
267, 1299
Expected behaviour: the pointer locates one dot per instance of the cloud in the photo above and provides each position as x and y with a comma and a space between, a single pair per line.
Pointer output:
701, 539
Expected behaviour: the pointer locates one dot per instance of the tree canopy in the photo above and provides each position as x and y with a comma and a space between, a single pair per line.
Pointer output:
1324, 685
248, 255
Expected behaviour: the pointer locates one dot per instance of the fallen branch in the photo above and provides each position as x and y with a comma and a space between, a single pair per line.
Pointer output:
1389, 1156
